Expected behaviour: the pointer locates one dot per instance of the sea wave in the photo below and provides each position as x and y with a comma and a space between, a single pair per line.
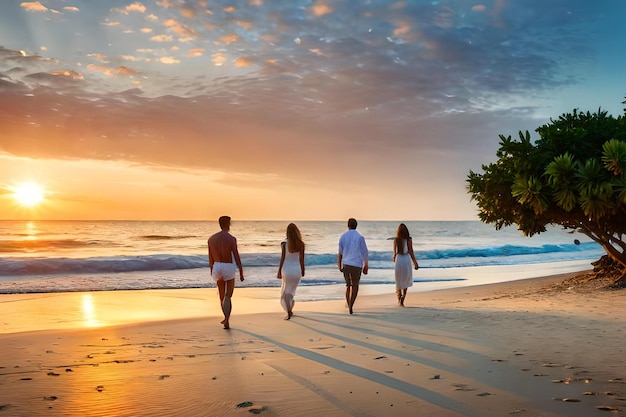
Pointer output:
461, 257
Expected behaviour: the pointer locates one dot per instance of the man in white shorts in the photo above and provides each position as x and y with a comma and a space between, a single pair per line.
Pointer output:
222, 252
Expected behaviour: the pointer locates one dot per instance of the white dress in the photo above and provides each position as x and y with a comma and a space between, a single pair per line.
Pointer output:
403, 268
292, 274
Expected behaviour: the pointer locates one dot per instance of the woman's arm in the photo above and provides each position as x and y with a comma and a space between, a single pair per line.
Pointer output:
395, 248
279, 275
410, 246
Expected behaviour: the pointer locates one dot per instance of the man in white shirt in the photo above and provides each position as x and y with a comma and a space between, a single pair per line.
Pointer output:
352, 260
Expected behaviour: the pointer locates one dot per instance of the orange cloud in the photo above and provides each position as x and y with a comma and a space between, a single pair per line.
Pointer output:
243, 62
111, 71
218, 59
100, 57
135, 7
228, 39
68, 73
162, 38
244, 24
188, 12
184, 32
169, 60
320, 9
33, 6
195, 52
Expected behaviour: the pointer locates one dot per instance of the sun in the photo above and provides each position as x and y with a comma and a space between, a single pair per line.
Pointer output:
28, 194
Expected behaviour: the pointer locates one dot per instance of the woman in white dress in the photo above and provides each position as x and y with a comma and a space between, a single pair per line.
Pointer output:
402, 257
291, 267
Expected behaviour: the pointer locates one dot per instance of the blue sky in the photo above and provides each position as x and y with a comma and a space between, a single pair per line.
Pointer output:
288, 109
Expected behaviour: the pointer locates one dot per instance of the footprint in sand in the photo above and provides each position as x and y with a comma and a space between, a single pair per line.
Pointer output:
608, 408
463, 387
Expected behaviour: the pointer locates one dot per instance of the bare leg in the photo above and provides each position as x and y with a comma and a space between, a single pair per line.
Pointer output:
221, 289
289, 304
226, 289
353, 293
403, 297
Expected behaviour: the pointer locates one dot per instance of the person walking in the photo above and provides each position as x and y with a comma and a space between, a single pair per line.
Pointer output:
291, 267
352, 259
223, 257
403, 256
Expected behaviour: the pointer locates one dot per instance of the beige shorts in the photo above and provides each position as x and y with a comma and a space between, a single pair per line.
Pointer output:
225, 271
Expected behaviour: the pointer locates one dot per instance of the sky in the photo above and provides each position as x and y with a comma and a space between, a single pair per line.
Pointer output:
285, 110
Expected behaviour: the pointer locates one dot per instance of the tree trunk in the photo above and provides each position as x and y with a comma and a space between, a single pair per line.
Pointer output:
620, 282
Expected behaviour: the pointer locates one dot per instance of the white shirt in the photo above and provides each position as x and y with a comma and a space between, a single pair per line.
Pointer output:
352, 248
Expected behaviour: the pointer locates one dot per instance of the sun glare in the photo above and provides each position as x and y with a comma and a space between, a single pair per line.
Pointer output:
28, 194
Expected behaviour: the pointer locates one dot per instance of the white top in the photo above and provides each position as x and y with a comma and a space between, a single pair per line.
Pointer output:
353, 249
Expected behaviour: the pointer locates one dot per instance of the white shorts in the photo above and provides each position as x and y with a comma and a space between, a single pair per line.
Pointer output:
225, 271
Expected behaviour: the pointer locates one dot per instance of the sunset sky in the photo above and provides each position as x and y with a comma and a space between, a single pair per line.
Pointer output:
260, 109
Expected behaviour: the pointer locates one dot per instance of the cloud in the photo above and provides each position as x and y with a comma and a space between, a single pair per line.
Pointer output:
162, 38
195, 52
184, 32
228, 39
218, 58
33, 6
134, 7
100, 57
169, 60
68, 73
321, 8
243, 62
111, 71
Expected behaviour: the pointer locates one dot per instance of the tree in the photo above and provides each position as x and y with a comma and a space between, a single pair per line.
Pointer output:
573, 175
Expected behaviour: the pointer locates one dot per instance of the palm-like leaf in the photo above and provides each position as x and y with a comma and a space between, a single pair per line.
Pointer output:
529, 191
614, 156
561, 174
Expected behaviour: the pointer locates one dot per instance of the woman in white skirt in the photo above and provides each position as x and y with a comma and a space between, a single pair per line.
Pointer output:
291, 267
403, 256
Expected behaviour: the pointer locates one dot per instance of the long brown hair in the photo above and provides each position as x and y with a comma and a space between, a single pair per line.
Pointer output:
294, 238
401, 234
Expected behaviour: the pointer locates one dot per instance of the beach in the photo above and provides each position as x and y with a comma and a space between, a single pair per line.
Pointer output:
525, 348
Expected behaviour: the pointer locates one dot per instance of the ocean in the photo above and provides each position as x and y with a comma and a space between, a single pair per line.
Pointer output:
61, 256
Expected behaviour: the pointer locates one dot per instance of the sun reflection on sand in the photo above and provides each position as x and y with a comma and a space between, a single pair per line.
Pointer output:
89, 312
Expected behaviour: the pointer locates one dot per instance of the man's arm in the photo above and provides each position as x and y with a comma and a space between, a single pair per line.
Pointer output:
339, 258
237, 258
364, 255
209, 255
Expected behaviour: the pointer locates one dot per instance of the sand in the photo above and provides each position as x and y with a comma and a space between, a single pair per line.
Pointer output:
522, 348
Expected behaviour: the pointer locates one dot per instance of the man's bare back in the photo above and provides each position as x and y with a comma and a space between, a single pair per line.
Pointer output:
222, 246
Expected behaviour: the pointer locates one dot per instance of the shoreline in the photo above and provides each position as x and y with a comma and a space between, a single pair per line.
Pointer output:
519, 347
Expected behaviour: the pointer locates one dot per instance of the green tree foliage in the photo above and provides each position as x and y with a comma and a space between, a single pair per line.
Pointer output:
573, 175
